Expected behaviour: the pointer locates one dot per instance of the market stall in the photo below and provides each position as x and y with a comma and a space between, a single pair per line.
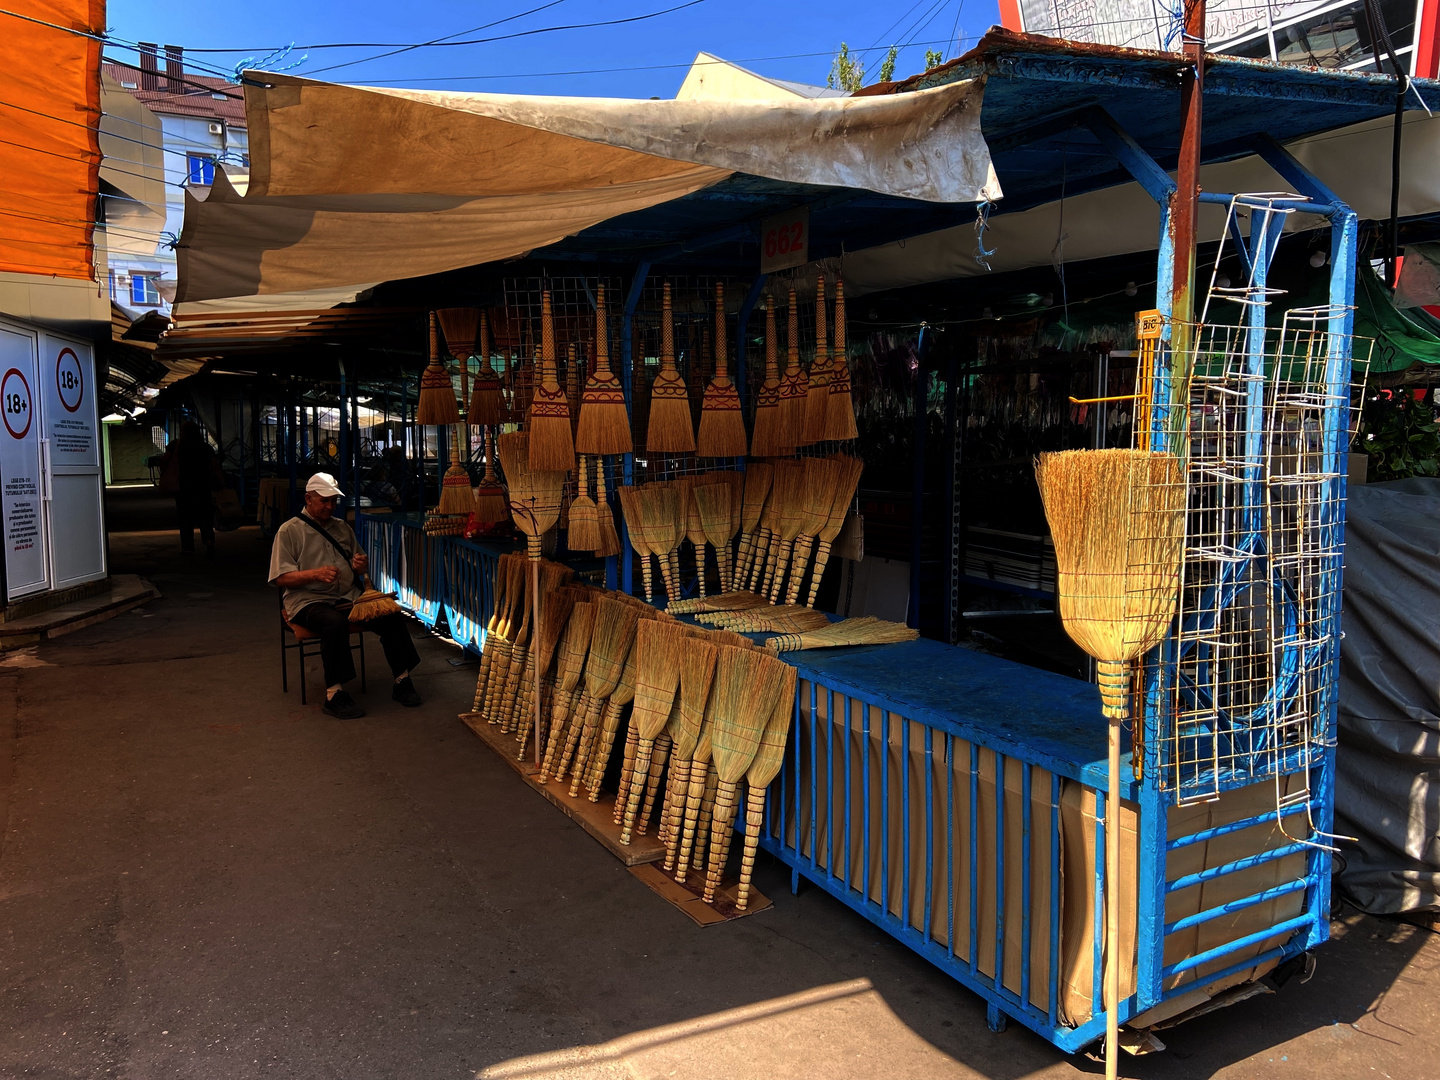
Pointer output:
956, 799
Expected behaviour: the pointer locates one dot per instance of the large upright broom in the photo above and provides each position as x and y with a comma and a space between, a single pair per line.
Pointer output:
763, 770
840, 411
669, 430
722, 425
635, 527
1117, 519
821, 477
758, 477
787, 497
574, 645
712, 504
750, 684
610, 643
769, 439
697, 675
552, 448
844, 493
661, 647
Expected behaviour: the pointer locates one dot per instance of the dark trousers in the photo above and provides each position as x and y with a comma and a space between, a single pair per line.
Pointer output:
333, 625
195, 510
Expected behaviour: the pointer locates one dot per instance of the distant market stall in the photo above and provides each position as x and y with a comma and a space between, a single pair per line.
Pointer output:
607, 251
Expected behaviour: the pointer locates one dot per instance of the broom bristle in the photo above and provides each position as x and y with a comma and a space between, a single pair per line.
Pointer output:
661, 648
604, 420
534, 494
436, 403
771, 753
861, 631
373, 604
610, 642
747, 685
712, 507
840, 408
722, 425
458, 324
817, 394
669, 430
552, 446
1117, 519
456, 494
487, 402
731, 601
758, 478
769, 437
609, 543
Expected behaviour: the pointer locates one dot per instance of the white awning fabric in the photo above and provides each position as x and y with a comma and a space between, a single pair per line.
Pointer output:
350, 185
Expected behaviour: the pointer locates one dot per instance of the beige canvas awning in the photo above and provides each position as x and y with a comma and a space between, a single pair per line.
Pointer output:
350, 185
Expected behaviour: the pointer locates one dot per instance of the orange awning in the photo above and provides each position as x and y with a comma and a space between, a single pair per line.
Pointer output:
49, 137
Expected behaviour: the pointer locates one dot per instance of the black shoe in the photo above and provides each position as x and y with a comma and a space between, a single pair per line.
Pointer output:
342, 706
405, 693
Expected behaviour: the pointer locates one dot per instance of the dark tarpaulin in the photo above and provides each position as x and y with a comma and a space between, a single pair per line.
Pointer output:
1388, 782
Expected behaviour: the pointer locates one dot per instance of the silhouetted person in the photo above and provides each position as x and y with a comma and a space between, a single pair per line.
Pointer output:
191, 473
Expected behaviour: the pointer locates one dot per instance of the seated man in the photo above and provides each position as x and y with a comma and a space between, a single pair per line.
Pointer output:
318, 562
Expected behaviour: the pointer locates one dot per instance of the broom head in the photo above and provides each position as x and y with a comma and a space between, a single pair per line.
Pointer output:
584, 532
604, 421
373, 604
458, 324
456, 494
660, 648
840, 408
771, 754
712, 504
817, 394
436, 404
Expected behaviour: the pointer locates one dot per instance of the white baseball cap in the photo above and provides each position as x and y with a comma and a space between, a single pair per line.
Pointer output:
323, 484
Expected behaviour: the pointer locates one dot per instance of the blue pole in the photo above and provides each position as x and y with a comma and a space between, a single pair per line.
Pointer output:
917, 494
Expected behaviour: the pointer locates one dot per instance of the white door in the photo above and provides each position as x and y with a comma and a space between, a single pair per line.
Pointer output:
71, 442
22, 479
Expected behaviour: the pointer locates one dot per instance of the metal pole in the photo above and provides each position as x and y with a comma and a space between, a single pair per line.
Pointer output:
917, 493
1184, 204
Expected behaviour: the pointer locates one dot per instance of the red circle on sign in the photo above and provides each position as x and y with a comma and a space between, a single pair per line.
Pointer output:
79, 386
29, 404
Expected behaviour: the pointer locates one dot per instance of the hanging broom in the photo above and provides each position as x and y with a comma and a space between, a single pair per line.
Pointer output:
573, 384
840, 409
786, 498
437, 404
695, 527
817, 393
571, 664
769, 439
1117, 519
722, 425
794, 385
712, 506
552, 448
821, 476
605, 517
584, 532
760, 775
865, 630
844, 493
635, 527
487, 405
604, 420
758, 478
492, 504
456, 494
749, 685
661, 648
659, 506
736, 480
669, 430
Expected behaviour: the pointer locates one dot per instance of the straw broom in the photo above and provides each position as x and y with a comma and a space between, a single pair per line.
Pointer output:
695, 527
497, 616
769, 439
844, 493
373, 604
1117, 519
584, 532
571, 664
794, 384
610, 643
749, 684
487, 403
609, 537
692, 833
731, 601
866, 630
622, 695
821, 475
604, 420
436, 404
661, 647
553, 577
736, 480
760, 775
659, 506
495, 659
697, 676
573, 385
630, 507
504, 713
787, 498
722, 424
555, 613
712, 506
840, 409
552, 448
777, 620
492, 504
817, 394
669, 430
758, 478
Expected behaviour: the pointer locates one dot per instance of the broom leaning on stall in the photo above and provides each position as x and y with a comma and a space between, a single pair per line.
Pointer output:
1117, 519
763, 770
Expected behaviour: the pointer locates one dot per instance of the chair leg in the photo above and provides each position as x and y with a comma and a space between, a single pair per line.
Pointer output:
284, 665
363, 684
302, 674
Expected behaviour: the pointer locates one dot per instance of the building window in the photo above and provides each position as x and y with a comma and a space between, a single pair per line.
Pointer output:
144, 290
1340, 36
201, 168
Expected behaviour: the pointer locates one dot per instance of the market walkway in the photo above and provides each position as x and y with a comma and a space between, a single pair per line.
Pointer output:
200, 878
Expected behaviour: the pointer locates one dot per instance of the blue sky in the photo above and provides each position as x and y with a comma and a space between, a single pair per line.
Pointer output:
792, 41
